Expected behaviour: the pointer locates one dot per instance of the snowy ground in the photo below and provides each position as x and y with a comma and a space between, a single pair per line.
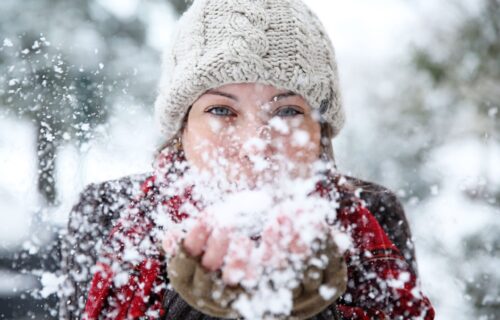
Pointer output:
369, 39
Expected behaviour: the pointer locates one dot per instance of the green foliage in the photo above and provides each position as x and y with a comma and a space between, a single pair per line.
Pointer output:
424, 61
469, 68
450, 92
180, 5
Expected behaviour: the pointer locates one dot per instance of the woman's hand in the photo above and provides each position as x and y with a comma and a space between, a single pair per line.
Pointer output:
238, 256
207, 254
201, 240
212, 244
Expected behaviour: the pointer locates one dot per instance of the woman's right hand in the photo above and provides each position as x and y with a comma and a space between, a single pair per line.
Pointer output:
240, 260
212, 244
205, 249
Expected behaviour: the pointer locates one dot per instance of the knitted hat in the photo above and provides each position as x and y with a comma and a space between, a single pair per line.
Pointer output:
276, 42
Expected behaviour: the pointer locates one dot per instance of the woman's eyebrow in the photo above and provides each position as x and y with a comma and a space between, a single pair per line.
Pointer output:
283, 95
230, 96
219, 93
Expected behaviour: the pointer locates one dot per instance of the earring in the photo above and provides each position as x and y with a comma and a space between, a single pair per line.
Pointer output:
178, 143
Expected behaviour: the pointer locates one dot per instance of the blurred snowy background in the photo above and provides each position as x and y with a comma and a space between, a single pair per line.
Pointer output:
421, 85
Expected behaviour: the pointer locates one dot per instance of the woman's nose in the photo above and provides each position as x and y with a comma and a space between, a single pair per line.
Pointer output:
264, 133
257, 142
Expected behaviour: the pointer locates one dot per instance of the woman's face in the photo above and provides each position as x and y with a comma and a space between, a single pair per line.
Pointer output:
251, 133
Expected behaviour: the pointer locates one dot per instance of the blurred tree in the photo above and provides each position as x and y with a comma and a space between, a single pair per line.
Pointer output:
452, 91
470, 68
180, 5
65, 64
63, 105
451, 94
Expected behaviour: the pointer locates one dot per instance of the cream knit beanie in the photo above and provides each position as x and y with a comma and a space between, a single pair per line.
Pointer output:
276, 42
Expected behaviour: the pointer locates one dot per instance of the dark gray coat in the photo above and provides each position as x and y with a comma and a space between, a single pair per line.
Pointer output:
99, 205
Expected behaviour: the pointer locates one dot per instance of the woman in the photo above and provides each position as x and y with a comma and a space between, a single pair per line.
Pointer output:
249, 98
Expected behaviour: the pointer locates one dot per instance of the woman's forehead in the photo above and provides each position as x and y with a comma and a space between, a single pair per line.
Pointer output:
235, 90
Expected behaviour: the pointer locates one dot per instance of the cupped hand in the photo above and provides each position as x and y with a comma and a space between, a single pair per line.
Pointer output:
237, 255
212, 244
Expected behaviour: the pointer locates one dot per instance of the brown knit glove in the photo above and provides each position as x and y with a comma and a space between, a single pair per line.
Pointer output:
206, 292
320, 287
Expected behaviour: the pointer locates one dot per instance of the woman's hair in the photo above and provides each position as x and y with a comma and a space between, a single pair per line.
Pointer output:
326, 143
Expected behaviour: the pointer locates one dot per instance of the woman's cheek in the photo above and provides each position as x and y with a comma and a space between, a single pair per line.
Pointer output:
301, 142
300, 147
222, 150
199, 145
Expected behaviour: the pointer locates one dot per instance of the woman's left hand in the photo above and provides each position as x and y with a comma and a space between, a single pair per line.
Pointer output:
241, 260
207, 254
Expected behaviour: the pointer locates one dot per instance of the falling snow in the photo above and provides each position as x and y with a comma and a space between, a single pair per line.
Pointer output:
76, 109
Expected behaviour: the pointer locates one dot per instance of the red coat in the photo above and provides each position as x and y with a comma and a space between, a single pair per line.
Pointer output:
382, 283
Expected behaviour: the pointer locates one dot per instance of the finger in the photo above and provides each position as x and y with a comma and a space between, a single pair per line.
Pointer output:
196, 238
170, 242
233, 273
273, 253
269, 241
236, 262
297, 245
216, 249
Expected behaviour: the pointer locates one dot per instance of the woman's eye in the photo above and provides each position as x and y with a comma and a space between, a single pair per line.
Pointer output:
221, 111
288, 112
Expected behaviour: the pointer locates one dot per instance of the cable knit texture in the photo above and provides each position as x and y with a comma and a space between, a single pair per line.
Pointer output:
276, 42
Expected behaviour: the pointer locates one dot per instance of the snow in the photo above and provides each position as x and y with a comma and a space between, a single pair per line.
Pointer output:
215, 125
279, 125
400, 282
7, 42
446, 220
58, 69
122, 8
15, 282
370, 39
342, 240
289, 222
267, 300
17, 192
492, 112
327, 292
300, 138
434, 190
50, 284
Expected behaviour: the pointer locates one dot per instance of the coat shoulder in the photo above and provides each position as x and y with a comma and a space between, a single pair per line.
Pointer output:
90, 221
379, 198
101, 202
370, 189
125, 186
389, 212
